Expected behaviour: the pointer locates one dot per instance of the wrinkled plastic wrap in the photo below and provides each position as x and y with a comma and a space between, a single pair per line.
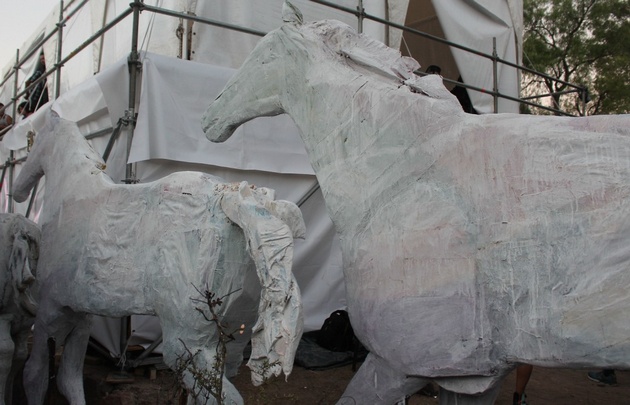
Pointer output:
156, 248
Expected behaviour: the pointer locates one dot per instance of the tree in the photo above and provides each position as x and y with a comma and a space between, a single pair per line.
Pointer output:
579, 41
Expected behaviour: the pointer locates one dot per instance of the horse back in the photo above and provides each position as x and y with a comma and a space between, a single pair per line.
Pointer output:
136, 242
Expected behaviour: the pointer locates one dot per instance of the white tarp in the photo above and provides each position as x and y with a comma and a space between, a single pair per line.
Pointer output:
485, 20
474, 25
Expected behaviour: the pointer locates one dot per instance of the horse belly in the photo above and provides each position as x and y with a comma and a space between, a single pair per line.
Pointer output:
413, 293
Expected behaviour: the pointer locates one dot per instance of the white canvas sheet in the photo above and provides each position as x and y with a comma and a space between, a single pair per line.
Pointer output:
169, 123
474, 24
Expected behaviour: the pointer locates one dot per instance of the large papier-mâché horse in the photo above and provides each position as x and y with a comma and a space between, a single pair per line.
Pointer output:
469, 243
19, 252
115, 250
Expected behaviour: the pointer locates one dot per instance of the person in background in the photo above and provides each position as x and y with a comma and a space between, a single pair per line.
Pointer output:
38, 96
434, 70
606, 377
523, 372
5, 119
23, 110
462, 96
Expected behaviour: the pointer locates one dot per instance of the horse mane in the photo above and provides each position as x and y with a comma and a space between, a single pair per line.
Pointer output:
380, 59
60, 127
363, 50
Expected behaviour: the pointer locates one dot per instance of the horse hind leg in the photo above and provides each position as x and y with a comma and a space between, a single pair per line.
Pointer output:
6, 356
377, 383
36, 368
70, 375
486, 398
193, 359
20, 354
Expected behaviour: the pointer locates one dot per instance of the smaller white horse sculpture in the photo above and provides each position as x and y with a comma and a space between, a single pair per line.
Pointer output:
470, 243
19, 249
116, 250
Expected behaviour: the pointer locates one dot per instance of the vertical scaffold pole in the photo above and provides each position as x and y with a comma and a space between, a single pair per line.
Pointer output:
361, 11
60, 25
495, 79
130, 121
130, 176
11, 161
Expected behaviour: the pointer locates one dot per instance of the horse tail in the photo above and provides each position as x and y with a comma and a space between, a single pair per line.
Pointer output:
269, 228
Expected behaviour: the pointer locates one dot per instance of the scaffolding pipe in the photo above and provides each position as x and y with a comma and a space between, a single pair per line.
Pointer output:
360, 13
133, 62
13, 101
140, 359
130, 119
112, 140
10, 203
495, 76
60, 26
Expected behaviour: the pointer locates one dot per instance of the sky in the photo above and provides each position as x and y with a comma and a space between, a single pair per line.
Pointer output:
18, 20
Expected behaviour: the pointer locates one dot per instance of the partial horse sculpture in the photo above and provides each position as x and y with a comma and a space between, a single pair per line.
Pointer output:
117, 250
470, 243
19, 249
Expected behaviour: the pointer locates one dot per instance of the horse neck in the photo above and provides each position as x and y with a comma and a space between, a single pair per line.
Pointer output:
357, 130
72, 166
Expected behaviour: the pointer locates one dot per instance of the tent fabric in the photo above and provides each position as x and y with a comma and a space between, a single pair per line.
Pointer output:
169, 123
474, 24
230, 48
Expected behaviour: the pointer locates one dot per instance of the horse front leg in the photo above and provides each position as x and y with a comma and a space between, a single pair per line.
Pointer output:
6, 356
485, 398
70, 376
20, 355
36, 368
377, 383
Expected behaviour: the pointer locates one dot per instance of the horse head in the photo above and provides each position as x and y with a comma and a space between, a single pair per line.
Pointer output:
291, 57
59, 147
33, 169
253, 92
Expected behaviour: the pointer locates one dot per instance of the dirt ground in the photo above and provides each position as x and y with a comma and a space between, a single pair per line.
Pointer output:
306, 387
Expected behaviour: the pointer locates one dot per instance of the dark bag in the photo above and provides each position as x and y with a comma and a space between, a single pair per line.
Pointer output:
336, 333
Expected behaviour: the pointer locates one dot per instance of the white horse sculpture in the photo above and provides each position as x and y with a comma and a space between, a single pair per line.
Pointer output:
19, 249
469, 243
116, 250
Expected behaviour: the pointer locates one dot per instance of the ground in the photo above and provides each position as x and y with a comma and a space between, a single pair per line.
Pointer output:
306, 387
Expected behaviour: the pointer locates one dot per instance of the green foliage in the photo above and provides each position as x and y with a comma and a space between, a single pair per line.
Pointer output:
579, 41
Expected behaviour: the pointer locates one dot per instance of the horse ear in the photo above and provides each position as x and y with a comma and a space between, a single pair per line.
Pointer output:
291, 14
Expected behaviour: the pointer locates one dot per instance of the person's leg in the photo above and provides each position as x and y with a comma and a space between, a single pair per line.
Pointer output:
606, 376
523, 373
